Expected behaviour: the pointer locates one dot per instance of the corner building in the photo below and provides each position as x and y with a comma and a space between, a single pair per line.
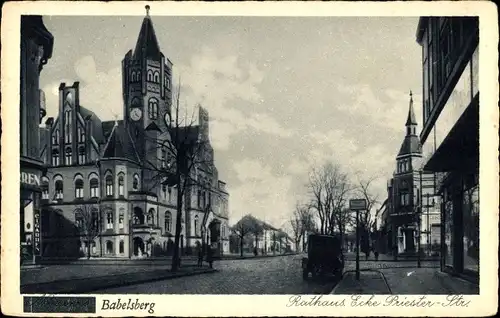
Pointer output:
98, 167
450, 134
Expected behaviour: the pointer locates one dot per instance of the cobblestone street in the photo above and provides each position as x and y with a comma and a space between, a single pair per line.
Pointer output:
272, 275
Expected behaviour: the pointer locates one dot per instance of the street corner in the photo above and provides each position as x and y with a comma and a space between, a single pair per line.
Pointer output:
369, 282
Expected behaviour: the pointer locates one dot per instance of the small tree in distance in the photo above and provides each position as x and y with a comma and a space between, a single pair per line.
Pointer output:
88, 224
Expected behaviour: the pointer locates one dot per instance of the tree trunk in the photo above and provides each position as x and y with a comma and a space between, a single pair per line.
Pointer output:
88, 249
241, 246
176, 257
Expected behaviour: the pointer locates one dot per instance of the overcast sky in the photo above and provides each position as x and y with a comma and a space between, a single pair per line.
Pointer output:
283, 93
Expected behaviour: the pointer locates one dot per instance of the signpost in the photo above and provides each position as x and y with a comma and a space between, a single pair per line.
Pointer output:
357, 205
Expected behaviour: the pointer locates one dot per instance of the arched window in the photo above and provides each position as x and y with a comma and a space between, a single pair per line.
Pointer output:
133, 77
45, 188
153, 108
121, 248
121, 218
138, 216
156, 78
68, 156
81, 155
135, 184
95, 218
94, 188
151, 216
169, 194
121, 185
78, 189
55, 157
55, 137
150, 76
109, 185
109, 220
164, 191
168, 221
199, 198
109, 247
196, 225
81, 134
58, 185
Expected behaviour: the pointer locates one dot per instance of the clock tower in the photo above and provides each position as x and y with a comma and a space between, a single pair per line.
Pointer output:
147, 90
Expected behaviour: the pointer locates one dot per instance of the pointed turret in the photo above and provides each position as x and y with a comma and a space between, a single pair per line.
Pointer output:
411, 114
147, 45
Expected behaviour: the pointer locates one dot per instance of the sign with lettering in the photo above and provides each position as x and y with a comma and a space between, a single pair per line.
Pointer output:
36, 232
30, 178
357, 204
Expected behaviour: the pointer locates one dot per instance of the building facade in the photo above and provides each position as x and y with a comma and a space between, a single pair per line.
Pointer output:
36, 50
450, 134
412, 214
105, 193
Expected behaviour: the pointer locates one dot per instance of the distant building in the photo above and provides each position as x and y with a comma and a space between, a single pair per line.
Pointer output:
108, 171
450, 133
36, 50
412, 213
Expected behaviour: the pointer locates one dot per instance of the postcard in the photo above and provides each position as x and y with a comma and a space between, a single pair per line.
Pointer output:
249, 158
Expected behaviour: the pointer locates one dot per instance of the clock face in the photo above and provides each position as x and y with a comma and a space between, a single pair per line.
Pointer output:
136, 114
167, 119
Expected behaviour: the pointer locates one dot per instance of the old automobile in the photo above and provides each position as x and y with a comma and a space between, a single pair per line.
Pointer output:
324, 257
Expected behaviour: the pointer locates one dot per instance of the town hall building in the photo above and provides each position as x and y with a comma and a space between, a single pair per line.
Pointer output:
103, 194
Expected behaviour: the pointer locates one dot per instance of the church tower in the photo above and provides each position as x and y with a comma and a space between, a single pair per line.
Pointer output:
147, 92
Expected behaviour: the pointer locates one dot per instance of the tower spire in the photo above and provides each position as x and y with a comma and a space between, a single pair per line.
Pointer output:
147, 10
411, 120
147, 46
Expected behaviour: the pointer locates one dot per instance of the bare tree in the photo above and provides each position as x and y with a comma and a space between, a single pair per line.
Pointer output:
301, 221
88, 222
330, 187
364, 190
180, 155
241, 229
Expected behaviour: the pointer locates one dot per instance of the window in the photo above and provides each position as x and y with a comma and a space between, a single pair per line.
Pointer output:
94, 188
81, 134
153, 108
45, 188
67, 126
68, 156
199, 198
151, 217
405, 199
168, 221
121, 219
150, 76
109, 220
59, 190
79, 189
138, 76
81, 155
133, 78
95, 219
136, 102
121, 184
55, 137
164, 191
196, 225
55, 157
109, 247
109, 186
135, 184
156, 78
169, 194
121, 247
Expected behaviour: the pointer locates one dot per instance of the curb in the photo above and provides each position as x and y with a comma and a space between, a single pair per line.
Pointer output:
89, 289
363, 270
254, 257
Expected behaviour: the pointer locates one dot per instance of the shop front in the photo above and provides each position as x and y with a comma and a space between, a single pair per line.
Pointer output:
30, 217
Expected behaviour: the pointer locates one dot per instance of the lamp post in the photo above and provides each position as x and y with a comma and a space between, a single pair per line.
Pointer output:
419, 218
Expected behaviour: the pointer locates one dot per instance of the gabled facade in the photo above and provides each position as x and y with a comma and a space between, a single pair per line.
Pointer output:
103, 168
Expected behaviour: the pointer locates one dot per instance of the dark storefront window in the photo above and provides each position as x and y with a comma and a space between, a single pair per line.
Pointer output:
448, 229
470, 209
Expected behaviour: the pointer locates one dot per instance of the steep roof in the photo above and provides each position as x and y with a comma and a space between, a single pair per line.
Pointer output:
147, 45
96, 123
411, 144
411, 120
119, 143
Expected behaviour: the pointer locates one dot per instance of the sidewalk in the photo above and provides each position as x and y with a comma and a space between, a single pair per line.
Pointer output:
404, 281
249, 255
78, 278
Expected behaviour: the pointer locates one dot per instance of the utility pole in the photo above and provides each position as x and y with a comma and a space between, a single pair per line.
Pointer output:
357, 244
419, 216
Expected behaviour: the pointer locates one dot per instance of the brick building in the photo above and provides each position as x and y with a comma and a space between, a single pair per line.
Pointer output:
103, 194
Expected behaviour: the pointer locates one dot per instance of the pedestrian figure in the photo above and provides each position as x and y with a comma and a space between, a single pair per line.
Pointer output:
200, 255
255, 251
210, 259
375, 251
